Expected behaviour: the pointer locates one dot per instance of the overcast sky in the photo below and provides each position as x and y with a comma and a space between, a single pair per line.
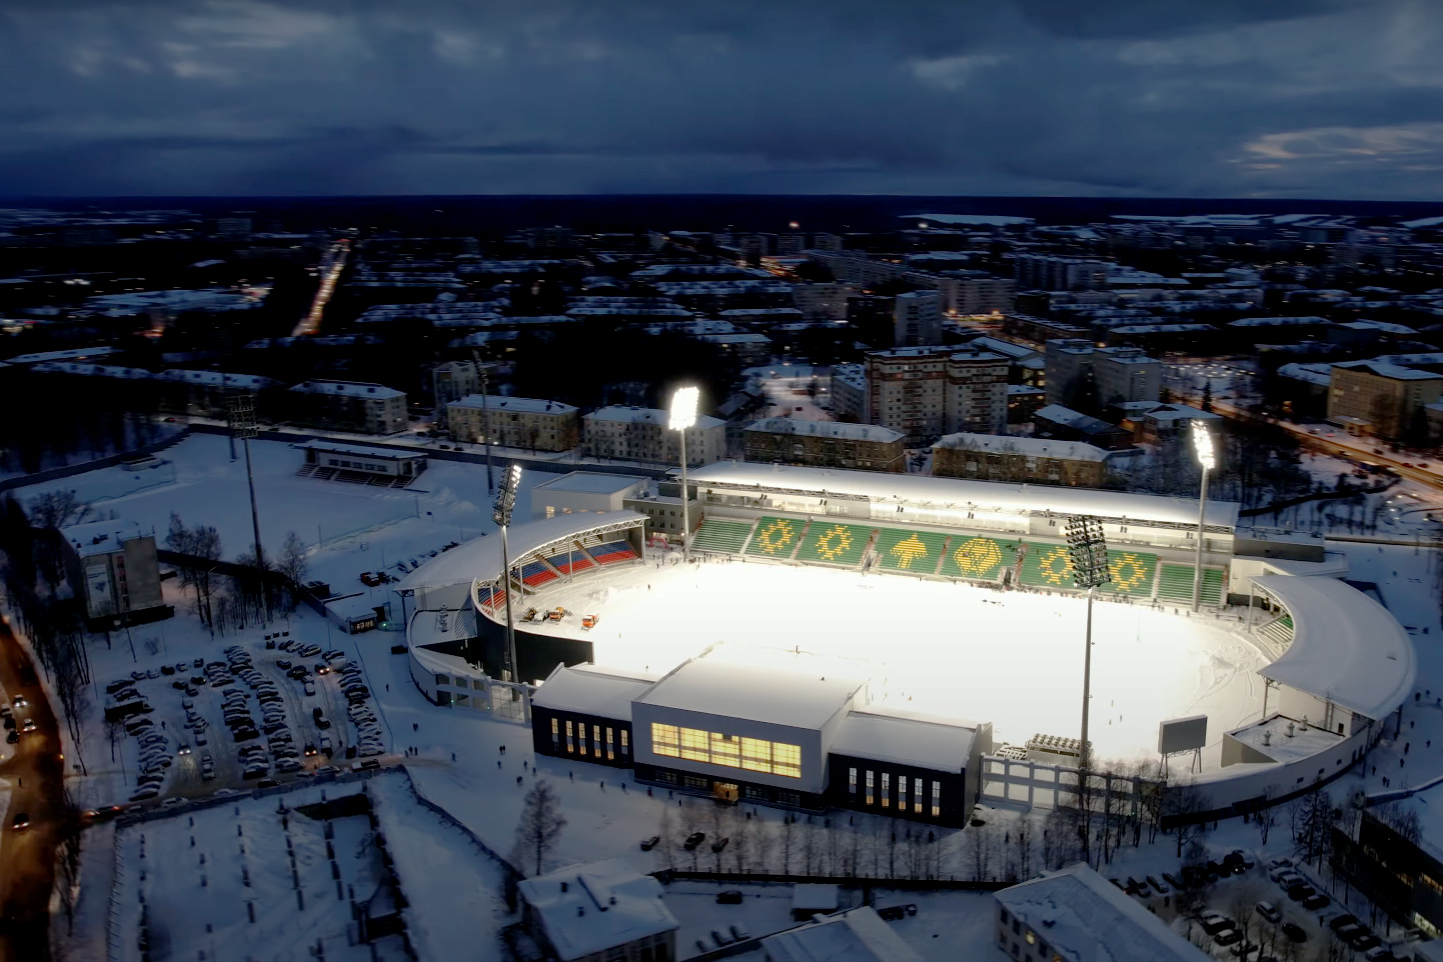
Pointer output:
1206, 98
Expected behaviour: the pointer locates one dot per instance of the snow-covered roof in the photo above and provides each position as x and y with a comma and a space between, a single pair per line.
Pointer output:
592, 482
616, 412
1181, 412
1278, 321
348, 389
1006, 348
481, 556
1320, 375
908, 738
1385, 369
1346, 648
763, 685
587, 909
1059, 414
218, 379
73, 354
920, 489
858, 935
593, 690
1031, 447
525, 405
365, 451
91, 370
99, 537
1084, 917
826, 429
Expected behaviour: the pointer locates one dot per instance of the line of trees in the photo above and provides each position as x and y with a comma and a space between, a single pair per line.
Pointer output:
246, 595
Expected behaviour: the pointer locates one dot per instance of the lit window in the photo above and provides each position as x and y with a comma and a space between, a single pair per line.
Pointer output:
936, 799
902, 792
756, 755
570, 747
625, 742
610, 750
886, 789
869, 788
695, 745
787, 760
596, 739
665, 740
555, 734
725, 750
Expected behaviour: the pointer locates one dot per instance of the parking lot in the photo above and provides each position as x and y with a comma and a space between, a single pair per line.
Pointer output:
271, 711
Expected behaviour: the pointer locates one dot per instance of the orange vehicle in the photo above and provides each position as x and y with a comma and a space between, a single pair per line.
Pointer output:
589, 622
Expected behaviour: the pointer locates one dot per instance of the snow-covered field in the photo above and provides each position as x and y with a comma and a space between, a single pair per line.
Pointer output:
1013, 659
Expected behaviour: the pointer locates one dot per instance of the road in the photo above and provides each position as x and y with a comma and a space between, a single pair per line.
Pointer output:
331, 266
27, 856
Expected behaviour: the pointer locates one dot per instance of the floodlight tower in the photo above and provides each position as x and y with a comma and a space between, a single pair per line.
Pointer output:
501, 514
1087, 548
683, 416
241, 415
1203, 444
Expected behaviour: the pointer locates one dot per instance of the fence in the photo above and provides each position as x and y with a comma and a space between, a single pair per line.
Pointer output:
1040, 785
81, 467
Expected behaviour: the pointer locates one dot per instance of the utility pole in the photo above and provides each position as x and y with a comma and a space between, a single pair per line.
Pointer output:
501, 514
1087, 549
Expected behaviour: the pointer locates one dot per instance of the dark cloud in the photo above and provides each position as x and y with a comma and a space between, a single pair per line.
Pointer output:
1168, 97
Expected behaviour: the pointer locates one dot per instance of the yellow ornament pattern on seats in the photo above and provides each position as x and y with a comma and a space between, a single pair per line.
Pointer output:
1055, 566
1128, 571
834, 543
908, 551
775, 536
977, 556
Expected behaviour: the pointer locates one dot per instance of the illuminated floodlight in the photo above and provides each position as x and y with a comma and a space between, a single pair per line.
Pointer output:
506, 497
1202, 443
683, 408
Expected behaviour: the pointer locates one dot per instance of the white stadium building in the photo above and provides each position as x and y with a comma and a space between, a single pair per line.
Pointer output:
835, 624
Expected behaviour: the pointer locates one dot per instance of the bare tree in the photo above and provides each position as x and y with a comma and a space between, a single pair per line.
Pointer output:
1184, 804
57, 509
292, 564
541, 824
1266, 818
666, 836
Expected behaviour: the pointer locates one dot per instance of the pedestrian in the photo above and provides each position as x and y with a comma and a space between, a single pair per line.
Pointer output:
415, 726
603, 786
503, 749
498, 764
572, 774
524, 763
388, 687
518, 779
453, 756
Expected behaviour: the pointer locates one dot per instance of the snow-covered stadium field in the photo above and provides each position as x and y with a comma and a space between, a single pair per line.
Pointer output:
1010, 658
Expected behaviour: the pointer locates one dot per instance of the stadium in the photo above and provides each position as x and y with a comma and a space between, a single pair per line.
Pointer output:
950, 600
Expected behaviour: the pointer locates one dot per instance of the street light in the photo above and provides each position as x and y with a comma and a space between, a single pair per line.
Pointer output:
501, 514
683, 416
1202, 443
1087, 549
241, 418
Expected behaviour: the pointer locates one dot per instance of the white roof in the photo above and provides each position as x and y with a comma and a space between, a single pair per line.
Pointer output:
909, 738
389, 454
1277, 321
592, 482
770, 686
859, 935
1318, 374
1347, 648
826, 429
1031, 447
1085, 917
217, 378
74, 354
348, 389
919, 489
603, 905
1385, 369
499, 402
82, 537
481, 556
616, 412
1281, 746
592, 690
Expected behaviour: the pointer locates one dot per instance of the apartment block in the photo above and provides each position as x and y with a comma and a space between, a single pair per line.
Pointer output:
917, 319
925, 392
1052, 272
1379, 397
825, 444
1078, 371
356, 406
112, 569
641, 434
514, 422
451, 382
988, 457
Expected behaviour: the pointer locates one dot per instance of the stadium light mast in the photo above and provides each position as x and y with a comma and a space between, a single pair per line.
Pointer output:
241, 418
1087, 549
501, 514
683, 416
1202, 443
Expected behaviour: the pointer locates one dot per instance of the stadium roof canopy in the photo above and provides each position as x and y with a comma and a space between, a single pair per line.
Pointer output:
1346, 647
481, 557
921, 489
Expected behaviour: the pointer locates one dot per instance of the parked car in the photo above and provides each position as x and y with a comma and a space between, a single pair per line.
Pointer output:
1294, 932
1269, 911
729, 897
693, 840
1317, 901
647, 844
1228, 937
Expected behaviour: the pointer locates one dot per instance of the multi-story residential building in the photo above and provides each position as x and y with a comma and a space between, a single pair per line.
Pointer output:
112, 569
451, 382
1380, 397
641, 434
1078, 372
978, 293
849, 392
1052, 272
349, 406
917, 319
823, 302
926, 392
514, 422
825, 444
988, 457
204, 393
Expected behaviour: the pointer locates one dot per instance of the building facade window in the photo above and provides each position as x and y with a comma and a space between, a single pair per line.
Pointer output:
610, 745
715, 748
555, 735
936, 799
886, 789
570, 747
852, 782
869, 787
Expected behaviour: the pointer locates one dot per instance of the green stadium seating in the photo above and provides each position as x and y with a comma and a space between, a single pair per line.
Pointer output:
834, 543
1133, 573
1175, 583
775, 537
1047, 565
719, 534
979, 559
900, 549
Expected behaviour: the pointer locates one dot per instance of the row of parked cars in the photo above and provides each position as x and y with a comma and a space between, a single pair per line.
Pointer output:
1345, 926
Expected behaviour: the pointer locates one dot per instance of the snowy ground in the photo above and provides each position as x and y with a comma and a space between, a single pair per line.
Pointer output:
1013, 659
